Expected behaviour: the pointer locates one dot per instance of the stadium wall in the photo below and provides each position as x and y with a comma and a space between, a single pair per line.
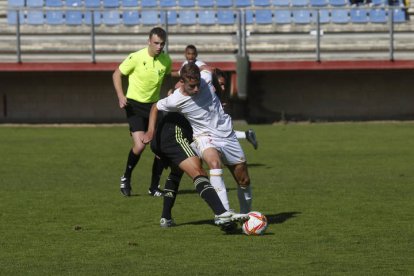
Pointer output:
301, 91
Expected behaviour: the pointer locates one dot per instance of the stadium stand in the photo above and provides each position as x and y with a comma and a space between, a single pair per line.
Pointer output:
359, 15
187, 17
130, 3
242, 3
167, 3
261, 3
186, 3
206, 3
148, 3
207, 17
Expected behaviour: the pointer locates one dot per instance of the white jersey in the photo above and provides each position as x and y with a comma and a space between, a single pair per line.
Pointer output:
203, 110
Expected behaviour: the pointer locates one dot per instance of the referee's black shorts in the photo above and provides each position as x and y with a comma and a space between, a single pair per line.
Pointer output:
172, 143
137, 115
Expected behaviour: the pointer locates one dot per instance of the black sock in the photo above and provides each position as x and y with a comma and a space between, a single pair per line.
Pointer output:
170, 190
207, 192
131, 163
157, 168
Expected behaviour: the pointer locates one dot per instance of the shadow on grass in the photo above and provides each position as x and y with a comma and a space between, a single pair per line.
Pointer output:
281, 217
190, 191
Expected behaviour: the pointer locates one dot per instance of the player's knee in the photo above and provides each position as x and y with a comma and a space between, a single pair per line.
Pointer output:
243, 181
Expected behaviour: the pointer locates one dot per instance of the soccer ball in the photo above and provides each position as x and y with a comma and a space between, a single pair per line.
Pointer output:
256, 225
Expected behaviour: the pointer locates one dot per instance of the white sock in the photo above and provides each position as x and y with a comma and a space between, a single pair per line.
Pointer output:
245, 199
216, 180
240, 134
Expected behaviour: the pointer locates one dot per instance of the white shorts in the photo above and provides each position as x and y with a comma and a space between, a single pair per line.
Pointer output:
230, 149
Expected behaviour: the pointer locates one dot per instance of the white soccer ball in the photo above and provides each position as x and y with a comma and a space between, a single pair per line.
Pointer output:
256, 225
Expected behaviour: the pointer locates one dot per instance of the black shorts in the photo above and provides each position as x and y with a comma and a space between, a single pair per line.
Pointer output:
137, 115
172, 140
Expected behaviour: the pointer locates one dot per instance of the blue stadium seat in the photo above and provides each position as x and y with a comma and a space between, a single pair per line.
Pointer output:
264, 16
35, 17
318, 3
54, 3
171, 17
73, 17
54, 18
92, 3
281, 3
324, 16
130, 17
224, 3
186, 3
97, 18
168, 3
129, 3
338, 3
340, 16
283, 16
16, 3
359, 15
379, 2
148, 3
12, 17
206, 3
301, 16
150, 17
74, 3
111, 17
378, 16
187, 17
111, 3
206, 17
242, 3
261, 3
34, 3
399, 15
249, 14
225, 17
300, 3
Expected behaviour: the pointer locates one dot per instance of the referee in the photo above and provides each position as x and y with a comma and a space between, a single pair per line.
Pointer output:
146, 70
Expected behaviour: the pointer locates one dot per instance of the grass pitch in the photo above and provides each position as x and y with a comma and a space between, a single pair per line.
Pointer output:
339, 199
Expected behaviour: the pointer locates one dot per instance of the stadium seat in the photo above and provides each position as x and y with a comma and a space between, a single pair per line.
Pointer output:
282, 16
92, 3
249, 14
130, 17
54, 18
34, 3
301, 16
12, 17
261, 3
110, 3
150, 17
324, 16
378, 16
16, 3
264, 16
206, 3
187, 17
54, 3
242, 3
299, 3
35, 17
206, 17
359, 15
281, 3
379, 2
171, 17
318, 3
73, 3
225, 17
224, 3
340, 16
129, 3
168, 3
148, 3
338, 3
186, 3
73, 17
97, 18
111, 17
399, 15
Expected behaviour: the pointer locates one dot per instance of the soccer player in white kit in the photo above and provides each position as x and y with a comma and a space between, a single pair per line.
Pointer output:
214, 137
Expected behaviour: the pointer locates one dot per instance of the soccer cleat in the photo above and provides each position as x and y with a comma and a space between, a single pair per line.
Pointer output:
230, 216
167, 222
156, 192
125, 186
251, 137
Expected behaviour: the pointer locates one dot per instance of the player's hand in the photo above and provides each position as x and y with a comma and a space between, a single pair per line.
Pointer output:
147, 138
122, 102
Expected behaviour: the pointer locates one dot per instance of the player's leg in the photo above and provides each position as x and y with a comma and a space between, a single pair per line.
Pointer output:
240, 134
244, 191
170, 193
157, 168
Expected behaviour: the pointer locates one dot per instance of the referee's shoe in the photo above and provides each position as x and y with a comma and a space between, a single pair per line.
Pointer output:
125, 186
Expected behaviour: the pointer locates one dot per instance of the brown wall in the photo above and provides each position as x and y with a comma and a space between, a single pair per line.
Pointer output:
61, 97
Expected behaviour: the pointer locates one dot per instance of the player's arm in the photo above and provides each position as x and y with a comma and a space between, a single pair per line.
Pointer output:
117, 81
151, 124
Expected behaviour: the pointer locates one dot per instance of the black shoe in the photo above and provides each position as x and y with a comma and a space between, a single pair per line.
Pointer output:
156, 192
125, 186
251, 137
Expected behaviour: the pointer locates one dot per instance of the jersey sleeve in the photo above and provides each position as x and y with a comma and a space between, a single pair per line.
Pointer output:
128, 65
168, 104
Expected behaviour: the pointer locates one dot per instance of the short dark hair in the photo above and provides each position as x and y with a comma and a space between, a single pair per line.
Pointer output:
190, 71
158, 31
192, 47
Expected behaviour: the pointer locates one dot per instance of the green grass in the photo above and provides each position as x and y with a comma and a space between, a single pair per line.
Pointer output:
339, 199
